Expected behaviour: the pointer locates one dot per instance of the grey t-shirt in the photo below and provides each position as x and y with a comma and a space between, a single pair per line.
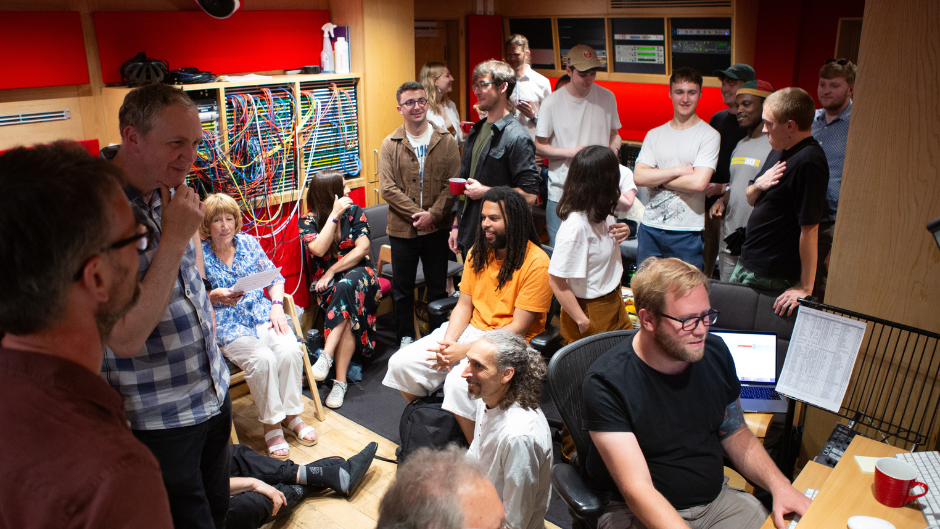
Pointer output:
746, 162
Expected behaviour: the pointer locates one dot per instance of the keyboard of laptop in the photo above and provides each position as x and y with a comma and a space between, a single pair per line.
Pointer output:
757, 392
928, 471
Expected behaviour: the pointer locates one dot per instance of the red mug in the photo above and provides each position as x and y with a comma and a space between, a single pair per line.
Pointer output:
894, 481
465, 126
457, 185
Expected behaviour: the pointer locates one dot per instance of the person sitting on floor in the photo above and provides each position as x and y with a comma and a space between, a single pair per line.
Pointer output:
265, 489
440, 489
251, 330
336, 234
505, 284
512, 439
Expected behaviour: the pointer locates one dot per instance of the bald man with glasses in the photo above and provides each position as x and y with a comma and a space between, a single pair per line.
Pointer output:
415, 164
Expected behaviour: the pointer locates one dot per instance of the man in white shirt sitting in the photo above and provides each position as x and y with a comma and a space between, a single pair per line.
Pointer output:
511, 440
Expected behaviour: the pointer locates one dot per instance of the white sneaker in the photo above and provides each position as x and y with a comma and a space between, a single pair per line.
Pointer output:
337, 395
407, 340
322, 368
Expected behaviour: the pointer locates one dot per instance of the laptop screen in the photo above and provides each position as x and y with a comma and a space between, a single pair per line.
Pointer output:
755, 355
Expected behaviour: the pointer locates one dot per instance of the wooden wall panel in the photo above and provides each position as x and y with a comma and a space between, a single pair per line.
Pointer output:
884, 262
28, 134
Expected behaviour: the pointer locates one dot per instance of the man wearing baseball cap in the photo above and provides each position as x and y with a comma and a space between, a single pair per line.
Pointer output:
571, 118
746, 161
726, 123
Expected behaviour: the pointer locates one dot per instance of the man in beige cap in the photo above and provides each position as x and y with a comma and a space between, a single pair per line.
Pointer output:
570, 119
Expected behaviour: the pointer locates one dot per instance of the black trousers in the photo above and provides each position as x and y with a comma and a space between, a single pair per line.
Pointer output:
195, 465
433, 252
251, 510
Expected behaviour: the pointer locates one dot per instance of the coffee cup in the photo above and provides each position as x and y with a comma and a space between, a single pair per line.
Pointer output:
465, 126
894, 481
457, 185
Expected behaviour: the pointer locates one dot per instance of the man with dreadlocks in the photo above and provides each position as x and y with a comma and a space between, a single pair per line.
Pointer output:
504, 285
512, 440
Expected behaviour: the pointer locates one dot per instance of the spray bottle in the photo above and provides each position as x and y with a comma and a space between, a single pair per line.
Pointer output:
326, 56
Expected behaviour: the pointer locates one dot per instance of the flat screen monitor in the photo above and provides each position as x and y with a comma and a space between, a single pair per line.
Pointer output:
701, 43
639, 45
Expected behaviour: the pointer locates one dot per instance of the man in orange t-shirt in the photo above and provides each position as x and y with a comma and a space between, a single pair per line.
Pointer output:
504, 285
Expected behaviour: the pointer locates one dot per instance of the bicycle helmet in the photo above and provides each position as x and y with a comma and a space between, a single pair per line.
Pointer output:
142, 70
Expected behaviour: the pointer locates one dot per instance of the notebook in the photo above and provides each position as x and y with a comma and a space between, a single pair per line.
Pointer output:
755, 360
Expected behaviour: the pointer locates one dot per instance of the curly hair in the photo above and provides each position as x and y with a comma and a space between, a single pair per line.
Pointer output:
525, 386
593, 184
519, 229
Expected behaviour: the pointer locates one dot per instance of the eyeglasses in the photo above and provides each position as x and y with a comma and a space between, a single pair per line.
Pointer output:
481, 85
840, 62
140, 240
690, 324
412, 102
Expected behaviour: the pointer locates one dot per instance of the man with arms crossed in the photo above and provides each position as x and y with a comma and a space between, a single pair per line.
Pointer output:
162, 356
512, 440
662, 407
416, 163
504, 285
676, 162
746, 162
789, 199
498, 151
572, 117
69, 458
831, 130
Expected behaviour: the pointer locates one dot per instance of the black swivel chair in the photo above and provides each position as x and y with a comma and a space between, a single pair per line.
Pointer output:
565, 375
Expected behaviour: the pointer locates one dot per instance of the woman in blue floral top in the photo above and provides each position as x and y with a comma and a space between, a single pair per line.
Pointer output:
252, 331
336, 235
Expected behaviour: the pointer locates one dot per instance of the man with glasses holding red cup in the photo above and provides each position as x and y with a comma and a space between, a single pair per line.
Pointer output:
662, 410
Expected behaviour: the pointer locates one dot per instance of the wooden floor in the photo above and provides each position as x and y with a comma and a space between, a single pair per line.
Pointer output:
338, 436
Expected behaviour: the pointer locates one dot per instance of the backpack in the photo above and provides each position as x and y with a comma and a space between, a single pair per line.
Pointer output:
425, 423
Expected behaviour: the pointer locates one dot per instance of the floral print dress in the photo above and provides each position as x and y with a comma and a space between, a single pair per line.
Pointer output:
355, 292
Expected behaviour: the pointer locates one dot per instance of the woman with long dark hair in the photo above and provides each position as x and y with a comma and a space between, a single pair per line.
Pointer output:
585, 270
336, 235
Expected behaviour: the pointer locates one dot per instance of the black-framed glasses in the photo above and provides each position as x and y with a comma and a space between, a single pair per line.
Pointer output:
141, 241
480, 85
412, 102
689, 324
840, 62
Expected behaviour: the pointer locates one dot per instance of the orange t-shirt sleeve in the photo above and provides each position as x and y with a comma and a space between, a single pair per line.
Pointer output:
468, 279
535, 295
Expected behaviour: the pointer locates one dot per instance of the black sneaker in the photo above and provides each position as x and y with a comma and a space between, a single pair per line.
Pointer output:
357, 467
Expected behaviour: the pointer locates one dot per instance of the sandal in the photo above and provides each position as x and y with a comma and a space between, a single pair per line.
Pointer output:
279, 446
300, 436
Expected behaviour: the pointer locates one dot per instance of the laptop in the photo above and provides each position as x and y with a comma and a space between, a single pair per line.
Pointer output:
755, 360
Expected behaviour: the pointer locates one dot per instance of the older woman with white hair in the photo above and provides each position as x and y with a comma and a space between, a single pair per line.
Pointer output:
252, 331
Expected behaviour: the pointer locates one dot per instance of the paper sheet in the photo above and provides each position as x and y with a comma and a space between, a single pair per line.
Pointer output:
822, 354
256, 281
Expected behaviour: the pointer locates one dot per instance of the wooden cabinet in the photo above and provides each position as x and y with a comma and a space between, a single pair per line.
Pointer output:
386, 29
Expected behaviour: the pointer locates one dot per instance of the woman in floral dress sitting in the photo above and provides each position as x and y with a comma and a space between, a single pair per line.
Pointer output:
336, 235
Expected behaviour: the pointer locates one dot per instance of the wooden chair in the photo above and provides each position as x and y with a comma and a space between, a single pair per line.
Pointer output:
237, 378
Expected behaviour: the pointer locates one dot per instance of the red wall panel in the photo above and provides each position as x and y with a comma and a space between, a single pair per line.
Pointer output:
41, 49
484, 42
245, 42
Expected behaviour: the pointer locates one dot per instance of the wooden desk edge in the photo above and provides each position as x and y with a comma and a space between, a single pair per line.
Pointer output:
813, 476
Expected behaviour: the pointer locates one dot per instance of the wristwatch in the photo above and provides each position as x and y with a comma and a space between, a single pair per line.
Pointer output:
207, 284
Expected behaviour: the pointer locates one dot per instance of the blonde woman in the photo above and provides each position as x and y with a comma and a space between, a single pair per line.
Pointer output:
438, 83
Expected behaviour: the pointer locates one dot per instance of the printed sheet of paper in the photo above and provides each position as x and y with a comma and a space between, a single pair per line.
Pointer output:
822, 354
256, 281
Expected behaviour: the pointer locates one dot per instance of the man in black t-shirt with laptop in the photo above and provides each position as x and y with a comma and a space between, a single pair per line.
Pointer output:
661, 409
789, 199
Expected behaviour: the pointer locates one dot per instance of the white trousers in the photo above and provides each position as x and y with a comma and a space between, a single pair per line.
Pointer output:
409, 370
273, 366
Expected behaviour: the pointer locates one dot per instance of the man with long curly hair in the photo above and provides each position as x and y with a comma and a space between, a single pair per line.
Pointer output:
504, 285
512, 440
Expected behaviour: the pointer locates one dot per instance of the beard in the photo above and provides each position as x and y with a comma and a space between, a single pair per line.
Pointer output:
676, 348
471, 385
109, 313
498, 243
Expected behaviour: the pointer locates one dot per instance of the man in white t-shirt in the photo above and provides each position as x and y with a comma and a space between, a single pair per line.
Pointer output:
571, 118
531, 86
416, 163
511, 440
676, 162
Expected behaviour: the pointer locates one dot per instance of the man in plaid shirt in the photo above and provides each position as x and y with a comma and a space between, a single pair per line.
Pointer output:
162, 356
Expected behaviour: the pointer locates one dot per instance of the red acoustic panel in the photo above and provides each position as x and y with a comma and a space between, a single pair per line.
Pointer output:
41, 49
645, 106
248, 41
484, 42
284, 249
